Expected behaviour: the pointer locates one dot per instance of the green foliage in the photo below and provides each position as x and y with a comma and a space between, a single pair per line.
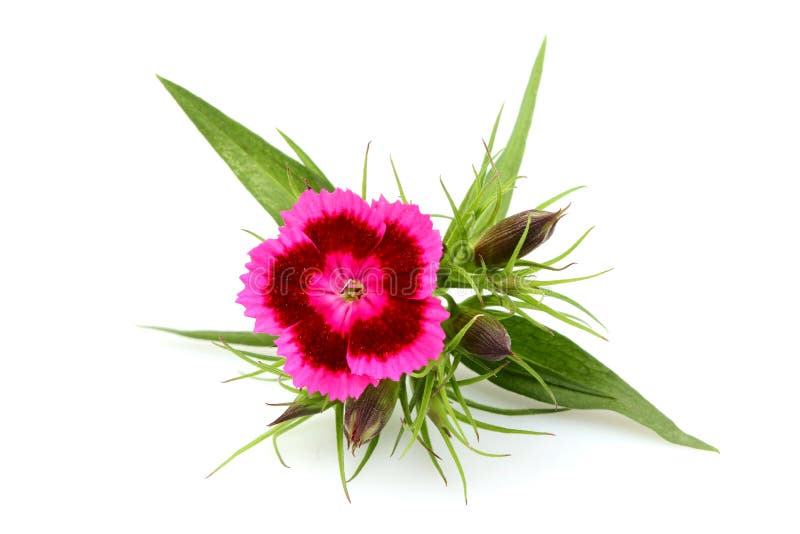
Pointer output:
237, 338
578, 380
489, 196
273, 178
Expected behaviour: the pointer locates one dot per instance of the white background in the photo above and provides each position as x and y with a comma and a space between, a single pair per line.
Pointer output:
683, 120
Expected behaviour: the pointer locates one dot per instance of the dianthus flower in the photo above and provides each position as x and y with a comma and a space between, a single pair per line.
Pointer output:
347, 288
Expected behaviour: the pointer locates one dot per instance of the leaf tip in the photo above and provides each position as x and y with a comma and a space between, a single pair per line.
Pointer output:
165, 82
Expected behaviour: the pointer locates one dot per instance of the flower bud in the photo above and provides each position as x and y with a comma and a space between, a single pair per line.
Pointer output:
438, 414
365, 417
302, 406
497, 244
487, 338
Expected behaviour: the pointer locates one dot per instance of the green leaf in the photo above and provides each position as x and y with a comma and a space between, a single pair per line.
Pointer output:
456, 460
397, 180
425, 440
340, 447
487, 157
501, 429
364, 173
558, 197
510, 160
304, 158
367, 455
511, 411
570, 249
564, 298
263, 169
237, 338
274, 431
422, 411
252, 233
562, 356
488, 197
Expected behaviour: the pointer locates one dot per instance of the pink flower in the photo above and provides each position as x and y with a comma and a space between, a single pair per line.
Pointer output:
347, 287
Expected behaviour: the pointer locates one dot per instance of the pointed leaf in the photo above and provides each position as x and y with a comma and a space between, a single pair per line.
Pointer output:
560, 354
510, 160
237, 338
260, 167
496, 180
304, 158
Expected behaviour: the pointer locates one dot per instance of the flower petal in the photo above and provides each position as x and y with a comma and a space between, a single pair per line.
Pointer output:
404, 337
409, 251
274, 286
336, 221
316, 358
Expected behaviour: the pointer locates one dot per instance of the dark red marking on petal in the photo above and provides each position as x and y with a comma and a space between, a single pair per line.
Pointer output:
398, 325
342, 232
319, 345
287, 281
401, 259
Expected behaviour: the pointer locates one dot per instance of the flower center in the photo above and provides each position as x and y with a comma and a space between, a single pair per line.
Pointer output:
352, 290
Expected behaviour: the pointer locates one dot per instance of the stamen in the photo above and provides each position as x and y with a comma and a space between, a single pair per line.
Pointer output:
352, 290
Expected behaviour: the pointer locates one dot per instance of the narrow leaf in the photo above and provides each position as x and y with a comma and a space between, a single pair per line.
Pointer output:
501, 429
260, 167
236, 338
558, 197
570, 249
304, 158
252, 233
397, 180
340, 446
364, 173
557, 352
512, 411
422, 411
487, 157
425, 440
249, 446
367, 455
460, 469
510, 160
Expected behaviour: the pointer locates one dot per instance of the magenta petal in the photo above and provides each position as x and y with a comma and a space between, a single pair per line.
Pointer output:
418, 225
337, 221
316, 359
410, 249
274, 292
403, 339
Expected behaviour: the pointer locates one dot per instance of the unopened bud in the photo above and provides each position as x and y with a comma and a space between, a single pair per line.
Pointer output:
302, 406
497, 245
365, 417
437, 412
487, 338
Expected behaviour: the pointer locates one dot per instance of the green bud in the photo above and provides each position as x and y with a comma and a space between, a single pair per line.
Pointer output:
497, 245
438, 414
487, 338
365, 417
